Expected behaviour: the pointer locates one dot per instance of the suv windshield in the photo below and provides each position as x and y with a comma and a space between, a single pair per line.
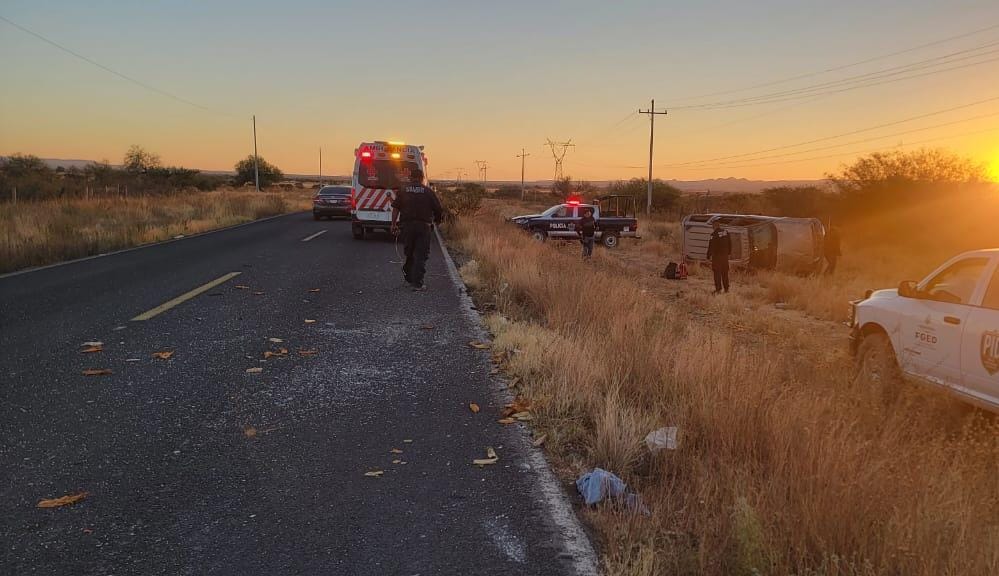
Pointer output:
384, 173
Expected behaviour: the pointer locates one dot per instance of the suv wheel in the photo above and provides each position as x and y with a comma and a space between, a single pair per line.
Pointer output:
609, 239
539, 235
876, 363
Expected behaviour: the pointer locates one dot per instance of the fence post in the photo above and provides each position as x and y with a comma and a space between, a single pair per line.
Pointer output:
14, 195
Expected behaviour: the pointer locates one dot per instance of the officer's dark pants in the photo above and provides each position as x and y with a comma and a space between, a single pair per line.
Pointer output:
721, 275
416, 243
831, 264
587, 242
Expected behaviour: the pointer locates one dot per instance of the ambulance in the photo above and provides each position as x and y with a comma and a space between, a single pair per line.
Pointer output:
380, 168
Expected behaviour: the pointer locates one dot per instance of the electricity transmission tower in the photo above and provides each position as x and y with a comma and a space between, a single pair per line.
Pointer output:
652, 134
459, 171
483, 167
559, 150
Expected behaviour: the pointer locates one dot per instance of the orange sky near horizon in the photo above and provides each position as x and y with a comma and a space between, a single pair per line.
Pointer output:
863, 78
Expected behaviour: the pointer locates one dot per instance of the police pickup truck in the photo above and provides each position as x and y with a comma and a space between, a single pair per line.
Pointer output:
942, 330
614, 216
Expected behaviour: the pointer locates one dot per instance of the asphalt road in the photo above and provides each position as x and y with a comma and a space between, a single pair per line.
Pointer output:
177, 481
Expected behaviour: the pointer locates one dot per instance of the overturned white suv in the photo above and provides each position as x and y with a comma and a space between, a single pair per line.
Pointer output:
943, 330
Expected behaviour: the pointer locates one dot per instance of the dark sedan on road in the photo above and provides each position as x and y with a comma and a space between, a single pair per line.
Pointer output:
332, 201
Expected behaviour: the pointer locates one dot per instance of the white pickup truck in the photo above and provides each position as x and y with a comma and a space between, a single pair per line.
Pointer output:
943, 330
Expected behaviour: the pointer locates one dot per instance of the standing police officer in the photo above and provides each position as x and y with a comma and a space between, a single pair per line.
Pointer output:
719, 250
416, 208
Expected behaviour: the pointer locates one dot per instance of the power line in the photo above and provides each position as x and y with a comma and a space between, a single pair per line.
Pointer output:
115, 72
850, 153
835, 136
841, 67
875, 78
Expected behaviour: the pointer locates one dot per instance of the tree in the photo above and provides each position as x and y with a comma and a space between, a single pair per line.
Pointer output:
798, 201
893, 179
138, 160
664, 196
269, 173
21, 165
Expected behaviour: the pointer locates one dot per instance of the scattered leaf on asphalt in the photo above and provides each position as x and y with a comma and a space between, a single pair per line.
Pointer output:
540, 440
427, 327
491, 458
308, 352
275, 353
523, 416
473, 407
165, 355
258, 293
254, 370
250, 432
395, 451
314, 290
241, 287
92, 349
275, 340
97, 372
92, 344
308, 321
62, 501
133, 359
396, 461
518, 405
478, 345
506, 420
375, 473
408, 441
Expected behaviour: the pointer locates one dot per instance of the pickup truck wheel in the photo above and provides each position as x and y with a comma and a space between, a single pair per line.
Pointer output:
876, 363
539, 235
610, 239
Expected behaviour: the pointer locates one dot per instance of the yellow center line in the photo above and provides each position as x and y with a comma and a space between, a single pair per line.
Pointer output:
307, 238
184, 297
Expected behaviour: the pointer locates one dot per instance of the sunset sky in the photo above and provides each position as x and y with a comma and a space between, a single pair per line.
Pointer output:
478, 81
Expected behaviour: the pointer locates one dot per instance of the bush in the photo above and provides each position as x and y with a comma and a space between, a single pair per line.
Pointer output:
269, 173
664, 196
508, 193
462, 200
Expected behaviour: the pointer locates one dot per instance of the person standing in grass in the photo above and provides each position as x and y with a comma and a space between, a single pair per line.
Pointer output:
831, 249
719, 250
587, 230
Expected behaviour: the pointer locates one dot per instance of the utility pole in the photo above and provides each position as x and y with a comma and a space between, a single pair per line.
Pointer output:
652, 134
483, 167
256, 162
320, 166
523, 156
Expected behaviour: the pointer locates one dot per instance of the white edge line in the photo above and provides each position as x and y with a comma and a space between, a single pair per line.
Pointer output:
150, 245
577, 543
311, 236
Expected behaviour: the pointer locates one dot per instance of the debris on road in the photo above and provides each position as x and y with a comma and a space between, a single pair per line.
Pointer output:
314, 290
540, 440
62, 500
661, 439
309, 321
478, 345
374, 473
250, 432
312, 352
254, 370
92, 344
395, 451
241, 287
519, 409
491, 458
258, 293
473, 407
275, 340
280, 352
98, 347
164, 355
599, 485
506, 421
97, 372
427, 327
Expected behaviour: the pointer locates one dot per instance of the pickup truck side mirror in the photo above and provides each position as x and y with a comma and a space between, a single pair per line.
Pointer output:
907, 289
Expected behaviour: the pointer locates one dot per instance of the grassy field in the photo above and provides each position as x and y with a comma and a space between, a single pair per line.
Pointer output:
38, 233
786, 464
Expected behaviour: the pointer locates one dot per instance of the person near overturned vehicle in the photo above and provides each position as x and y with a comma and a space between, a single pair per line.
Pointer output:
831, 249
719, 250
415, 210
587, 230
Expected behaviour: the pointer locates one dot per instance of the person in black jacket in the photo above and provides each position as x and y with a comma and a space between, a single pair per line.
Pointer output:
719, 250
587, 229
831, 248
416, 208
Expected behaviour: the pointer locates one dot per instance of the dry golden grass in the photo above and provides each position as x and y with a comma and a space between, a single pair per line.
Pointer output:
37, 233
786, 465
